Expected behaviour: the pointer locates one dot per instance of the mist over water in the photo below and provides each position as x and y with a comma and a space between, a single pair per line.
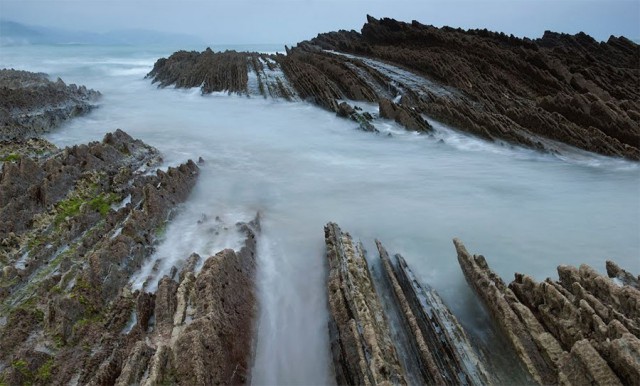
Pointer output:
301, 166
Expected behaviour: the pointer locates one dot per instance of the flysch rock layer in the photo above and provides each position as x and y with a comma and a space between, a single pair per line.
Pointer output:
361, 345
582, 329
198, 330
566, 88
540, 94
248, 73
79, 223
31, 104
443, 349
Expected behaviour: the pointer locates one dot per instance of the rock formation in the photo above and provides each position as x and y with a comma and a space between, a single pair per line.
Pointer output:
31, 104
79, 224
625, 277
444, 352
361, 344
223, 71
581, 329
565, 88
534, 93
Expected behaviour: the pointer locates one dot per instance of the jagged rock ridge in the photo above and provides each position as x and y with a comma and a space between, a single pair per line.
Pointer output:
82, 221
581, 329
31, 104
534, 93
363, 347
444, 351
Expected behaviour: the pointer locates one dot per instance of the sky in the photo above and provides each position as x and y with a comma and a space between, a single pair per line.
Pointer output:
290, 21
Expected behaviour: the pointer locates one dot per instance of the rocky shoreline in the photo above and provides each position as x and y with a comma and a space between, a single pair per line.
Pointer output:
541, 94
31, 104
78, 223
83, 221
581, 329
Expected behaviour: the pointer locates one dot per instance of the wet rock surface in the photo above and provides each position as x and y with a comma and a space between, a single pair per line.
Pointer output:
31, 104
581, 329
248, 73
444, 351
432, 347
361, 345
81, 222
534, 93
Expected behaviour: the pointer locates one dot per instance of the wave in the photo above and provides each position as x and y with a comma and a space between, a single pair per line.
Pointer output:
195, 230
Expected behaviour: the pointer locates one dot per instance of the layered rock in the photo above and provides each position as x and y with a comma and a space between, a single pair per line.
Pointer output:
361, 344
198, 330
566, 88
582, 329
248, 73
427, 345
534, 93
443, 350
82, 222
31, 104
405, 116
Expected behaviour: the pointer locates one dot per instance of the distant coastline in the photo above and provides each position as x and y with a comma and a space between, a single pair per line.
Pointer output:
14, 33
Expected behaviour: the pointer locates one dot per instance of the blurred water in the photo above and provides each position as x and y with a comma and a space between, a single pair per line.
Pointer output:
301, 167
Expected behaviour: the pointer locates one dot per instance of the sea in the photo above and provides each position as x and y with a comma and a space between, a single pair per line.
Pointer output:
300, 167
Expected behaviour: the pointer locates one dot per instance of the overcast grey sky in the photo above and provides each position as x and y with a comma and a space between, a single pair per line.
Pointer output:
289, 21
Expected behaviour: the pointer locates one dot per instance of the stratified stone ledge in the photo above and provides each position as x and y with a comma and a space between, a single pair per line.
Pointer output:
582, 329
361, 344
443, 349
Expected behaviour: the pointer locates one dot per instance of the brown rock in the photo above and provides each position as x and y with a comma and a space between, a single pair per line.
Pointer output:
135, 365
591, 318
361, 345
533, 346
165, 303
405, 116
31, 104
217, 346
584, 366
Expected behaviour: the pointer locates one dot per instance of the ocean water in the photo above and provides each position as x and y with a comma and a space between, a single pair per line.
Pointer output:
300, 167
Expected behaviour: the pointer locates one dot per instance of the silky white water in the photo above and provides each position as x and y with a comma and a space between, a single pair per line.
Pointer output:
301, 166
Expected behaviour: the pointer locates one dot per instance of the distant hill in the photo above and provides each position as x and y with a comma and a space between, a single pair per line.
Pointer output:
14, 33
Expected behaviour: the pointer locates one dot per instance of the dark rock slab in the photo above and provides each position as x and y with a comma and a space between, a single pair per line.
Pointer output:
614, 271
540, 94
566, 88
446, 355
406, 117
345, 110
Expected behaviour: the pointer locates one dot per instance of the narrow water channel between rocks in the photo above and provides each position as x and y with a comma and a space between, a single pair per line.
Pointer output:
300, 167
